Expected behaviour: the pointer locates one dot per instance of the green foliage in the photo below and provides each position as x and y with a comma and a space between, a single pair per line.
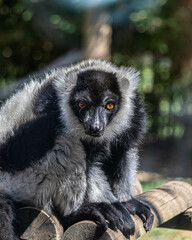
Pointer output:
166, 234
152, 184
157, 182
156, 44
31, 37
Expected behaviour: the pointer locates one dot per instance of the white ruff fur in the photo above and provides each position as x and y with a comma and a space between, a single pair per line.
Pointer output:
124, 188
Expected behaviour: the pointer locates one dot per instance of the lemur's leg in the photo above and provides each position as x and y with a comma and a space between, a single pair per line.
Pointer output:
123, 187
6, 219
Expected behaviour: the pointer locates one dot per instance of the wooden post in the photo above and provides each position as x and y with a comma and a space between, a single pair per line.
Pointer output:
97, 34
166, 202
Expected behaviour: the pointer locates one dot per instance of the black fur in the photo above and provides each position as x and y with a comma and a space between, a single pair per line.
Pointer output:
97, 82
46, 100
29, 144
35, 138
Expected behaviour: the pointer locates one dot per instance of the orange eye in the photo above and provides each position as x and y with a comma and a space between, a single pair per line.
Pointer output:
110, 106
82, 105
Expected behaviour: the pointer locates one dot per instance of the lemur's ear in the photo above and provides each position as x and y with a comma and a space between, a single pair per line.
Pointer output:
46, 100
124, 83
128, 79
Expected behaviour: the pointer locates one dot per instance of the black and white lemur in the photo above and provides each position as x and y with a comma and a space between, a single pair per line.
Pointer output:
69, 145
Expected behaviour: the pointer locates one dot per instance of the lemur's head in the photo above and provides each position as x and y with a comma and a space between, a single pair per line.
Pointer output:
95, 100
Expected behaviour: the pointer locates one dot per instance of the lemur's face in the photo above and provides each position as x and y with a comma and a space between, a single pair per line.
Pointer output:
95, 100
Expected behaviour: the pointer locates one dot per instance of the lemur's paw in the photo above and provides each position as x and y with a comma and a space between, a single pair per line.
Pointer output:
128, 226
143, 211
115, 216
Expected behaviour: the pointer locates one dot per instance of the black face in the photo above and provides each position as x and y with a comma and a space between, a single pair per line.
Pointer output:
95, 100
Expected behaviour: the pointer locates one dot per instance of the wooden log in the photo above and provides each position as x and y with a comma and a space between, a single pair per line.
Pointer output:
182, 221
166, 202
34, 224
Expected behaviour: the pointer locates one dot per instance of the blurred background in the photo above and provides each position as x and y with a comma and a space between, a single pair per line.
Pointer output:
155, 36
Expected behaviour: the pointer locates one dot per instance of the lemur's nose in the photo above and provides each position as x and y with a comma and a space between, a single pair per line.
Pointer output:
96, 130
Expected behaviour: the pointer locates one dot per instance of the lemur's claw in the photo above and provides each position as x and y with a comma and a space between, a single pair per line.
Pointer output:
143, 211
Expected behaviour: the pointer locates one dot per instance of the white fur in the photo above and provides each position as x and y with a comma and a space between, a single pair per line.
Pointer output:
124, 187
99, 189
